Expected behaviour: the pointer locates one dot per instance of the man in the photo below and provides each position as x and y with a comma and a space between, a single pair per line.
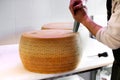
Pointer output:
109, 35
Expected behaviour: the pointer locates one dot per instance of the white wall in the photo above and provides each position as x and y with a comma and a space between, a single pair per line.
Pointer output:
97, 8
17, 16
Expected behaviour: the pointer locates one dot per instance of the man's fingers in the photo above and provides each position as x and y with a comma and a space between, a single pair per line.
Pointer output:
75, 5
71, 10
71, 6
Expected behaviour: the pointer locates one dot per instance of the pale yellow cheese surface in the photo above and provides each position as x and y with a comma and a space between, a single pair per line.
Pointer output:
58, 25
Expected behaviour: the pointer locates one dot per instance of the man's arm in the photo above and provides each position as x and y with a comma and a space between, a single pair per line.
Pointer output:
79, 14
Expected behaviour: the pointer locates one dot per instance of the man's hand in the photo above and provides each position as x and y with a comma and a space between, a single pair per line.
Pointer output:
78, 10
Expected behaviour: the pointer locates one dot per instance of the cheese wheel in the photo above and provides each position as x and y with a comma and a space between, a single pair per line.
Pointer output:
58, 25
50, 51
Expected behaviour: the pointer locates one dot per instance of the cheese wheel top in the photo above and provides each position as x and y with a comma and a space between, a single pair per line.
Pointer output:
47, 34
59, 25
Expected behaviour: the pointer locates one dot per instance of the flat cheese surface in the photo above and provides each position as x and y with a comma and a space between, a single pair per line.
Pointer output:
58, 25
49, 34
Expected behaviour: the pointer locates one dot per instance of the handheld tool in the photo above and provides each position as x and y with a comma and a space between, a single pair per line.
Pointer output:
76, 26
104, 54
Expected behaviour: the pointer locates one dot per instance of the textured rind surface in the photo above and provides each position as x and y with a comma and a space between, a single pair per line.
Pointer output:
50, 55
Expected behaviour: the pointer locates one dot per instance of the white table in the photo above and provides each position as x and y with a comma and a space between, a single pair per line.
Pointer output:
11, 67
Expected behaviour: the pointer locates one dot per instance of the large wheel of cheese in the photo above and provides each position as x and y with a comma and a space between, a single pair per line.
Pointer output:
50, 51
58, 25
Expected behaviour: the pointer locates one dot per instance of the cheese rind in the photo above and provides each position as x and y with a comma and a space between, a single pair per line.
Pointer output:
53, 54
58, 25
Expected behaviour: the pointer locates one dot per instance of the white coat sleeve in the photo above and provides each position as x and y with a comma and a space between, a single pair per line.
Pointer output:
110, 35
